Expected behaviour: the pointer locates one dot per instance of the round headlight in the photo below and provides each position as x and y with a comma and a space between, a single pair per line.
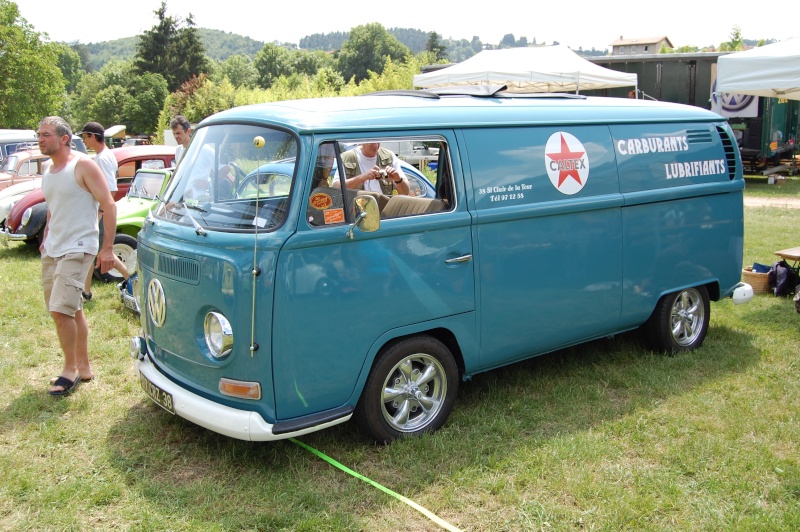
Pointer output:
26, 216
218, 334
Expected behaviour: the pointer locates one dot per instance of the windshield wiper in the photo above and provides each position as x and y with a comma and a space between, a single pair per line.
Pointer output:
197, 227
150, 218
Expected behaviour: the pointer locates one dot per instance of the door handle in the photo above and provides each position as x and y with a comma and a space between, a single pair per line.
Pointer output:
458, 260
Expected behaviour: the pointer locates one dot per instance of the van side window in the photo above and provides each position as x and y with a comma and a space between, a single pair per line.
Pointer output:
407, 178
325, 203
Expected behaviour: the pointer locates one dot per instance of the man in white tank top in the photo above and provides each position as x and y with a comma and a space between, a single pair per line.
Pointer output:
73, 187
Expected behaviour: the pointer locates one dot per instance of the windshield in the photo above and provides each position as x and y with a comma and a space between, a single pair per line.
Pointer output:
233, 177
146, 184
9, 164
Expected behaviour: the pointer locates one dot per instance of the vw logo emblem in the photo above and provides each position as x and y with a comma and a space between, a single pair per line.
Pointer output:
156, 303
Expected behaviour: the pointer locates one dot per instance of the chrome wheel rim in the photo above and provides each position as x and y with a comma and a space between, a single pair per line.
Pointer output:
688, 316
413, 393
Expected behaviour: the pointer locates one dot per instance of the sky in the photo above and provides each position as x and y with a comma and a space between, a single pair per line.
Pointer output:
575, 23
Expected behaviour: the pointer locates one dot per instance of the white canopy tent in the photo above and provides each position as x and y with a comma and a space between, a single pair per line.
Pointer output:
772, 71
531, 69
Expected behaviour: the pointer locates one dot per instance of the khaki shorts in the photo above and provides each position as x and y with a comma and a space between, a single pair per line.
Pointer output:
63, 280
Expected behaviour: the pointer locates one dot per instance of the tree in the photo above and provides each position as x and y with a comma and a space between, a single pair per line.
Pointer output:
31, 84
367, 49
508, 41
477, 45
114, 95
154, 44
310, 62
69, 63
328, 81
522, 42
736, 44
457, 51
680, 50
83, 53
174, 52
209, 98
188, 54
272, 62
148, 93
109, 105
240, 71
435, 46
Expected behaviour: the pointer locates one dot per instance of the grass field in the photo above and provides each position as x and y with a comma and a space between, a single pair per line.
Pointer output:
758, 185
604, 436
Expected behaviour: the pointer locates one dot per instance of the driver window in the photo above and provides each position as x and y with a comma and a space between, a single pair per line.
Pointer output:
407, 177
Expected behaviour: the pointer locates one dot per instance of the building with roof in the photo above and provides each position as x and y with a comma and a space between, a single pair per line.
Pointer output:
639, 46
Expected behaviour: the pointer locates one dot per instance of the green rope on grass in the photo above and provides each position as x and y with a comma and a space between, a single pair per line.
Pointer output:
427, 513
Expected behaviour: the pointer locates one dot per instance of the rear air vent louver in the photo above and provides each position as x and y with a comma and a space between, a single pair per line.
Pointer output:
730, 151
172, 266
698, 136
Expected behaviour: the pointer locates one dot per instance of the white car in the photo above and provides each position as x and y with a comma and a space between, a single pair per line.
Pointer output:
11, 195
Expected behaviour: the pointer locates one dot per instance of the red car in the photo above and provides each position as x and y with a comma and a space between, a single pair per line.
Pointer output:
27, 218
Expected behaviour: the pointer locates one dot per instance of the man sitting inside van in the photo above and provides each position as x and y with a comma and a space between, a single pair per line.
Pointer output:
370, 167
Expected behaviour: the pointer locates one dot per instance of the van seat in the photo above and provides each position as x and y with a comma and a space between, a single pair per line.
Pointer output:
400, 205
382, 199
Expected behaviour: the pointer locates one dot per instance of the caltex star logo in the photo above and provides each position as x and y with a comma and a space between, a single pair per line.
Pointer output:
567, 163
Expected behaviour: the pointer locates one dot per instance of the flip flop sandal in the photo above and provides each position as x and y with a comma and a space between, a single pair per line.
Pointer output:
83, 380
67, 386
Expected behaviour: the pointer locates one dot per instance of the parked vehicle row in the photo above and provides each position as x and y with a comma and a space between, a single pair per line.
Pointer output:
26, 219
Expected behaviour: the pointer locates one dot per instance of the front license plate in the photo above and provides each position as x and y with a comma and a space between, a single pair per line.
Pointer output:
161, 398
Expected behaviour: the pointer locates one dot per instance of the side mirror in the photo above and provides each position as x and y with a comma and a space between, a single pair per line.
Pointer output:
367, 213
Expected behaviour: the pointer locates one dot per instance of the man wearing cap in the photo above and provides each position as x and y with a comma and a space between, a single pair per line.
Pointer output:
93, 135
74, 187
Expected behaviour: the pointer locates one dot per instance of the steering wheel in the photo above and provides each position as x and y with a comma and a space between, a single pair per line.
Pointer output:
238, 172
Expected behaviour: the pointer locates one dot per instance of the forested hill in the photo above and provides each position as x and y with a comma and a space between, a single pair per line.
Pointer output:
220, 45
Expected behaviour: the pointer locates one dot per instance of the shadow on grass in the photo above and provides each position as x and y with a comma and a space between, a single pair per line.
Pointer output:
524, 405
19, 251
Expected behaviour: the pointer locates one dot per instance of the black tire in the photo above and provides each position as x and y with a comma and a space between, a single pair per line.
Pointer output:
679, 322
36, 240
124, 246
410, 390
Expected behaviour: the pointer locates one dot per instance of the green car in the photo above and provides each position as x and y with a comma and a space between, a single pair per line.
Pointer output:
146, 186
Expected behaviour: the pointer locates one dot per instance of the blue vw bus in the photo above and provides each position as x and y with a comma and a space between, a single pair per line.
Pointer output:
276, 301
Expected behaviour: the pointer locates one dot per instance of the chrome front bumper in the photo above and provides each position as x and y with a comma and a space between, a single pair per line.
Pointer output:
232, 422
7, 236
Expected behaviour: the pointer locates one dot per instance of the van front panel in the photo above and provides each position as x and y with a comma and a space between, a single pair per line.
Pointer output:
198, 275
548, 235
209, 252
